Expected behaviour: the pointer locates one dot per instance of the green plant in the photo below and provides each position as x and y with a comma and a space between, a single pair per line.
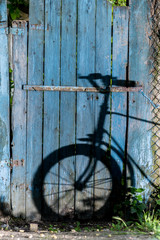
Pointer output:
11, 85
87, 229
15, 6
119, 225
52, 229
100, 228
130, 205
77, 228
155, 201
118, 2
150, 223
135, 201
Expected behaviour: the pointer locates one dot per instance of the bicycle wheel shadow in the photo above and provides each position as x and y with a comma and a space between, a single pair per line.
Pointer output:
106, 188
96, 192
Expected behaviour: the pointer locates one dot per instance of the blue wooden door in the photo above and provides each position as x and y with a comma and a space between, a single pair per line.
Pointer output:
71, 150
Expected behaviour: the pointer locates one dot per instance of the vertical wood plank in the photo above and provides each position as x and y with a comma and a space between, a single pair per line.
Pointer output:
19, 59
3, 11
102, 184
51, 105
34, 117
119, 100
140, 65
67, 113
85, 102
4, 114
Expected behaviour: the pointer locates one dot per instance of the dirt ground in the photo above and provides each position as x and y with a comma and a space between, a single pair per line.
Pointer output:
19, 229
80, 235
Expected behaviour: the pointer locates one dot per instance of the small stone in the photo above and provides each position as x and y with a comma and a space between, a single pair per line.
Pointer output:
73, 230
54, 236
12, 236
97, 230
42, 235
21, 231
109, 235
30, 236
1, 235
33, 227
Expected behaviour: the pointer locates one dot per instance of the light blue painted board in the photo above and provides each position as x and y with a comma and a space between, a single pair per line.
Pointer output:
4, 116
140, 65
3, 11
34, 117
102, 179
67, 111
85, 102
119, 100
51, 106
19, 59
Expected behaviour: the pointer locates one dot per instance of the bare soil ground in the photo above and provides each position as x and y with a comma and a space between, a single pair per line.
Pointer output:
19, 229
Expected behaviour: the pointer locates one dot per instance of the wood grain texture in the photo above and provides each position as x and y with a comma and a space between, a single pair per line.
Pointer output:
140, 65
51, 104
67, 111
19, 59
119, 100
34, 117
102, 178
85, 103
4, 116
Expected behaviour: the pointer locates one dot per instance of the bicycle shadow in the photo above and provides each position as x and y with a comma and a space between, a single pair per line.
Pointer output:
106, 188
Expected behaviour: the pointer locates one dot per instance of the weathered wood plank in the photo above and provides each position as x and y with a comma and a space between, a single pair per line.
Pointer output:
85, 102
140, 65
67, 111
51, 105
119, 73
102, 184
4, 114
34, 117
3, 11
19, 59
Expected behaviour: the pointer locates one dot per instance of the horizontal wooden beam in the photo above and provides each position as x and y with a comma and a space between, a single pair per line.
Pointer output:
80, 89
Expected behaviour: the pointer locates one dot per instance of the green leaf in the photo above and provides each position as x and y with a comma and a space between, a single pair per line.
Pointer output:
139, 190
158, 202
139, 197
15, 14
